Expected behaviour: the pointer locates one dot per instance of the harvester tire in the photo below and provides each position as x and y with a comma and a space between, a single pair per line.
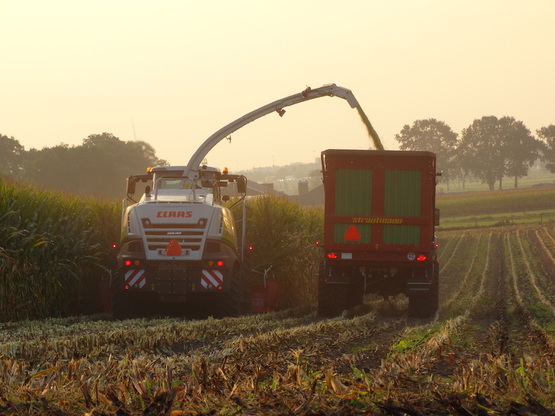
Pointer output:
236, 297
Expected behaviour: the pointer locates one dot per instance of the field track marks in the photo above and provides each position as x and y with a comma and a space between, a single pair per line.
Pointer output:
532, 275
456, 294
529, 319
483, 277
547, 250
453, 252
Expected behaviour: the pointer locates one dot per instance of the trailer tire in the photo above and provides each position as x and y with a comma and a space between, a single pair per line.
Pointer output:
356, 295
425, 304
333, 299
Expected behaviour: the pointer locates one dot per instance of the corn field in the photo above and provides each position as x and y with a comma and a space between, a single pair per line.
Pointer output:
490, 350
52, 246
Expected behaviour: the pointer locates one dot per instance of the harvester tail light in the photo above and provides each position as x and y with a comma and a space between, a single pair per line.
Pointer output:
421, 257
332, 256
127, 262
218, 263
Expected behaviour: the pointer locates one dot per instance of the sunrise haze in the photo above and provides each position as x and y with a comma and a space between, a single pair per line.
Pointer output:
173, 72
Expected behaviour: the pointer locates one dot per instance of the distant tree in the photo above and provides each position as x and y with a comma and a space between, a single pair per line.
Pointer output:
98, 167
433, 136
481, 150
548, 135
53, 168
110, 160
522, 149
11, 156
492, 148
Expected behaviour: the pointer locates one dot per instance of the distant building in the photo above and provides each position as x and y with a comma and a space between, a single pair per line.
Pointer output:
312, 198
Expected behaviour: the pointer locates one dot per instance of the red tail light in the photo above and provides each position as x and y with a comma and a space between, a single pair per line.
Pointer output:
332, 255
421, 257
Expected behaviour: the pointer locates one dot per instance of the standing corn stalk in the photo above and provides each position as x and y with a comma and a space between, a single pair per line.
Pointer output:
46, 239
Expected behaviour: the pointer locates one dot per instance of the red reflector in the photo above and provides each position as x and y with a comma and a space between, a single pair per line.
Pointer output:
173, 248
251, 247
352, 234
114, 245
126, 287
219, 287
220, 263
128, 262
332, 256
421, 257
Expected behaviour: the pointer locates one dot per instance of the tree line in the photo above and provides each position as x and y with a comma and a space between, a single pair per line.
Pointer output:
490, 149
97, 168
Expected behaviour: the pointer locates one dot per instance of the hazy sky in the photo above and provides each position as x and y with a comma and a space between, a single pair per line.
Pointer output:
173, 72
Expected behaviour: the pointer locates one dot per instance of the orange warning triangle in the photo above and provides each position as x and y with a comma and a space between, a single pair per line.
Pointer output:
173, 248
351, 234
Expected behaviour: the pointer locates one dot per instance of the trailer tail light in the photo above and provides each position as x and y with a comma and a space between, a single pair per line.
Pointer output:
421, 257
332, 256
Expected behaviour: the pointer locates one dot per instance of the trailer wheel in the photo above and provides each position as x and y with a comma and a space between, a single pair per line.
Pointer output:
333, 299
425, 304
356, 295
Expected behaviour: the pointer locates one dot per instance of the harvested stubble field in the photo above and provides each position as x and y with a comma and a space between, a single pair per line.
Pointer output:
490, 350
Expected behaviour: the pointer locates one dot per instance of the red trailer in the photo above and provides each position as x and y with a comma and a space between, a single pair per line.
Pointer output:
379, 229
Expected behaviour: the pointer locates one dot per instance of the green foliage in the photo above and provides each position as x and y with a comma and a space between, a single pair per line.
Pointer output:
491, 148
284, 237
433, 136
98, 167
479, 203
47, 242
11, 153
548, 135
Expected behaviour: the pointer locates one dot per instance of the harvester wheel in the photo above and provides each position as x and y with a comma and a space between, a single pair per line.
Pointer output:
236, 297
123, 306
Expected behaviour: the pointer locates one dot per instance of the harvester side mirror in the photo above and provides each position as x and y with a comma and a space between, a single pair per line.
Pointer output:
130, 186
147, 190
241, 184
